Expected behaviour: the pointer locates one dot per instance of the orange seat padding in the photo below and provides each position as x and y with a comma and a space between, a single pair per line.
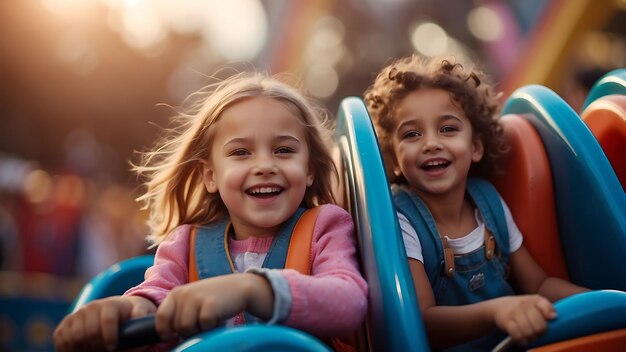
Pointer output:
606, 118
606, 342
526, 186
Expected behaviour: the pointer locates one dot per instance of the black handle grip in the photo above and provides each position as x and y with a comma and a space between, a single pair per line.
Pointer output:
137, 332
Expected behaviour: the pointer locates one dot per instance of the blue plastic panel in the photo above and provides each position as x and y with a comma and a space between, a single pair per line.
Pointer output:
590, 202
114, 281
613, 82
394, 321
254, 338
585, 314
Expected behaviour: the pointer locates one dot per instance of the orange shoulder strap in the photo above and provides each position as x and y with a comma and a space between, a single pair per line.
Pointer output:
193, 270
299, 252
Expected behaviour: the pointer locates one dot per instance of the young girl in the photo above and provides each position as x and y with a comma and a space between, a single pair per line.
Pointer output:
437, 124
239, 172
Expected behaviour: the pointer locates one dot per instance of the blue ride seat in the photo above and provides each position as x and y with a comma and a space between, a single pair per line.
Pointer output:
591, 216
590, 321
590, 202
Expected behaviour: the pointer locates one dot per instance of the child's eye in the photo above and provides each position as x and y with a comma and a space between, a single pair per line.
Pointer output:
449, 129
411, 134
239, 152
284, 150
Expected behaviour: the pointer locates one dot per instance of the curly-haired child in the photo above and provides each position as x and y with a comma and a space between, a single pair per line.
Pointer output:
436, 121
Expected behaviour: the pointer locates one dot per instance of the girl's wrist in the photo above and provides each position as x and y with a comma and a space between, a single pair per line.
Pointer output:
278, 298
258, 294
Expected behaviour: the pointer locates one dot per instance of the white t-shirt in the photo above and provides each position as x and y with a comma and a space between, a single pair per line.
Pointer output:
246, 260
461, 245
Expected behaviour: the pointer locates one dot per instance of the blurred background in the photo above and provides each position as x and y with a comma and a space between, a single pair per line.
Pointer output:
85, 83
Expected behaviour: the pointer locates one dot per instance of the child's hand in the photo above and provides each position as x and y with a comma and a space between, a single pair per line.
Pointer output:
524, 318
95, 326
201, 305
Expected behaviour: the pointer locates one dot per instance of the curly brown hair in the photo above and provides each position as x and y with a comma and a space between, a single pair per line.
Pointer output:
468, 87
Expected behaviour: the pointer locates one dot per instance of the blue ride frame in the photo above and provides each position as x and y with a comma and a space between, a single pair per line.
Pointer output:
613, 82
394, 322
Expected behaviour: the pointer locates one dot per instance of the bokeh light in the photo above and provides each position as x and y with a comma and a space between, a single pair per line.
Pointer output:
429, 39
485, 23
321, 80
38, 186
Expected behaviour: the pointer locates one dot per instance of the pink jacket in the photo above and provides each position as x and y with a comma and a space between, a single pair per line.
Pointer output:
332, 301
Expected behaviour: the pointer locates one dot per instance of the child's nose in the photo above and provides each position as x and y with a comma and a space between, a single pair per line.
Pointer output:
265, 163
431, 142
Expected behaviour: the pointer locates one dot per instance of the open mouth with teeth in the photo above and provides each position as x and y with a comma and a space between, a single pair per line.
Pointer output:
264, 192
434, 165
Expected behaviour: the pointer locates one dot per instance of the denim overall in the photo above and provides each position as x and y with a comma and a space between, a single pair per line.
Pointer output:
475, 278
213, 258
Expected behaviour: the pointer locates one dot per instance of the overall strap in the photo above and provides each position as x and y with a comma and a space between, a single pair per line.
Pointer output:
488, 201
433, 251
209, 255
277, 254
208, 251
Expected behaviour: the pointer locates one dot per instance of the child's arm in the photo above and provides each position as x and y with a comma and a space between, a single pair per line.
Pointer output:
522, 317
203, 304
528, 277
170, 267
94, 327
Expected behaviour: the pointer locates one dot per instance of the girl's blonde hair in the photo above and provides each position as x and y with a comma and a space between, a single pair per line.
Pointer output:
468, 87
172, 172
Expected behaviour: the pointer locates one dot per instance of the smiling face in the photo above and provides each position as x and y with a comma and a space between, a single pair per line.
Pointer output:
433, 143
259, 164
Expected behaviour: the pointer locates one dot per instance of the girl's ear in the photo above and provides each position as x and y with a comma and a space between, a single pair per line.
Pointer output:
396, 168
477, 149
208, 177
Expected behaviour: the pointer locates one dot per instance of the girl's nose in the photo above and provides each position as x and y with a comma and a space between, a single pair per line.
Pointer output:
264, 164
430, 142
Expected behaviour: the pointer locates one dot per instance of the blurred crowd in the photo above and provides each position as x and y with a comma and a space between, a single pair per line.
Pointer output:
64, 224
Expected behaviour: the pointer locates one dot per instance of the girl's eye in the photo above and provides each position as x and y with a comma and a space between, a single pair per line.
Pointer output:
411, 134
284, 150
238, 152
449, 129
